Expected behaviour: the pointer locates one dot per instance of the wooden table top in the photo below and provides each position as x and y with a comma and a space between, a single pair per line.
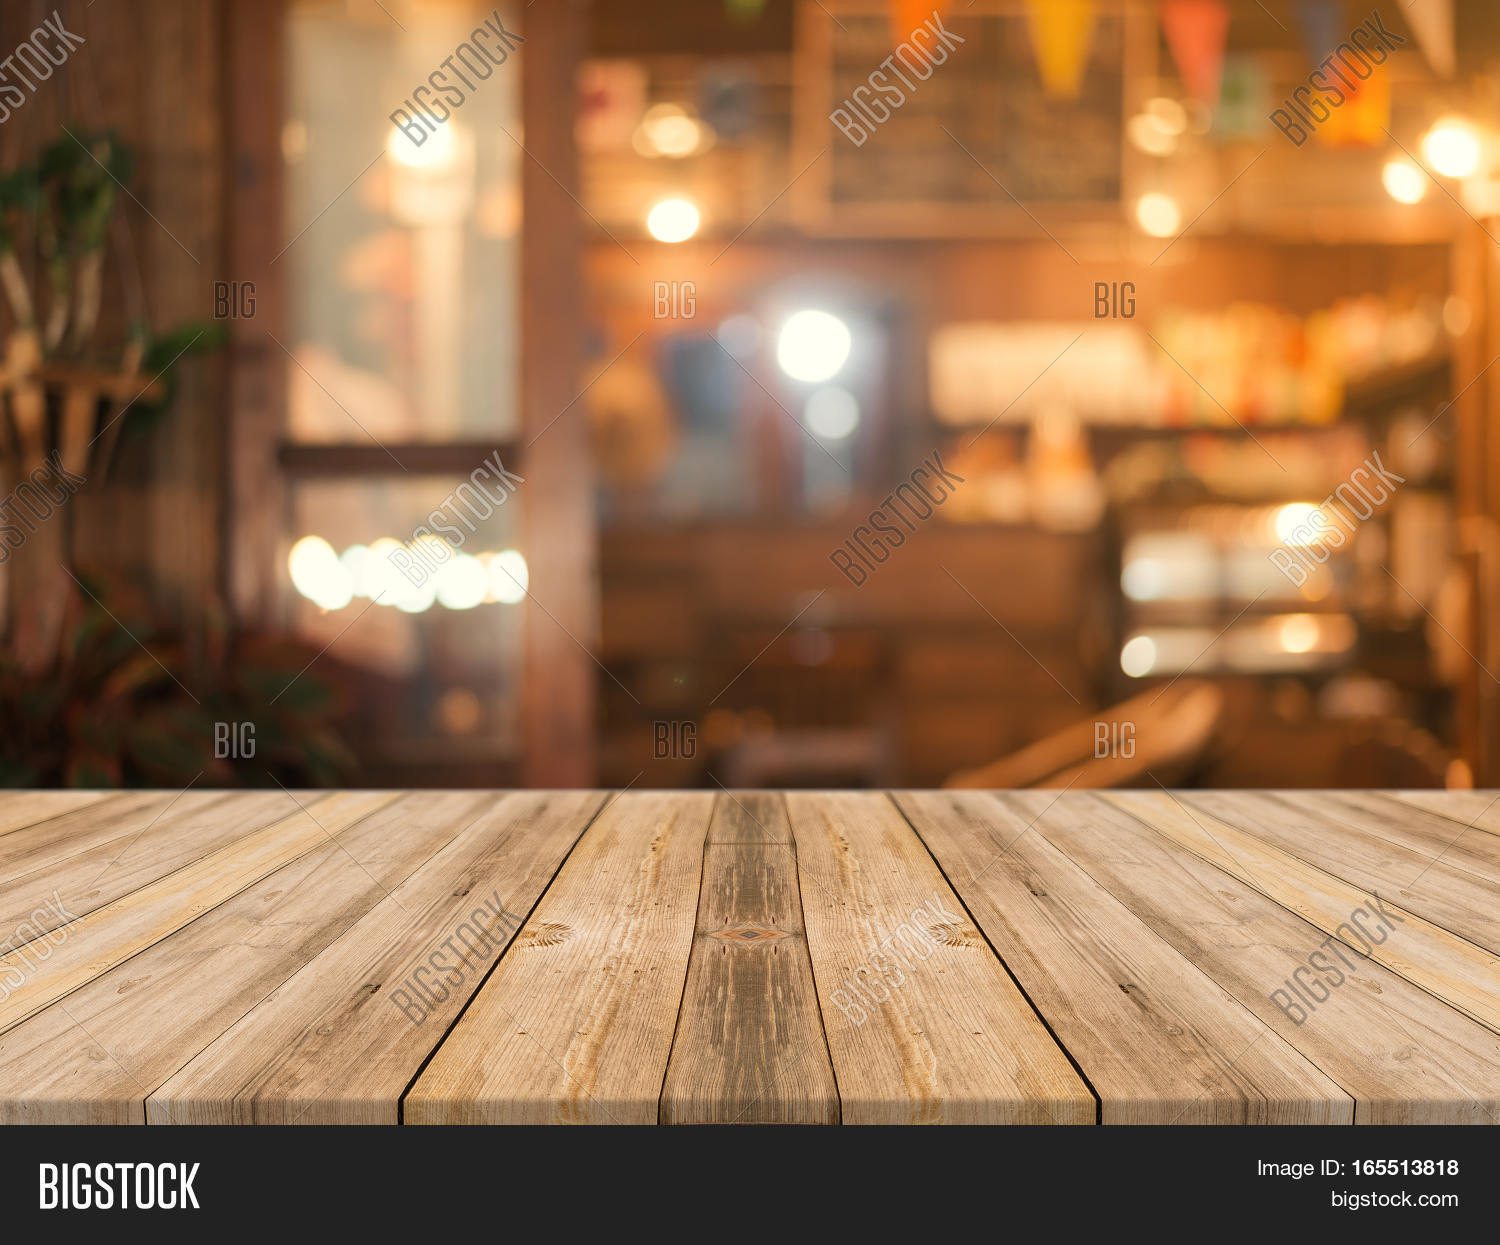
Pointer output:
466, 957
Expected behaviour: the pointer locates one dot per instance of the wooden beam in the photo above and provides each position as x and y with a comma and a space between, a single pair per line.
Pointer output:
562, 616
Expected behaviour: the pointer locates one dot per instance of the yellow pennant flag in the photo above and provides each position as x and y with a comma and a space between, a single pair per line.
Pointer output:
1060, 31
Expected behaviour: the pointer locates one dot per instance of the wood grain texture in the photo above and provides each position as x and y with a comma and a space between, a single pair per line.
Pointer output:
93, 1057
576, 1023
1464, 833
1369, 846
26, 808
1404, 1056
684, 957
341, 1040
1462, 974
32, 847
923, 1023
1480, 809
1158, 1040
93, 877
46, 969
749, 1047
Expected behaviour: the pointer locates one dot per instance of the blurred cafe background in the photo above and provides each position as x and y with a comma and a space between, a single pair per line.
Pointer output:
1107, 406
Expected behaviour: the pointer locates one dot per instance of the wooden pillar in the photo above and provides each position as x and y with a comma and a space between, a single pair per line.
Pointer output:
1476, 278
254, 177
559, 675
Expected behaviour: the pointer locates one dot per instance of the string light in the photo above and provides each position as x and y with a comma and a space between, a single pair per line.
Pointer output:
421, 573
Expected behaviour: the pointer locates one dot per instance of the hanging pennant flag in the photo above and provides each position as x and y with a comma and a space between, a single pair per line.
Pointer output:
1319, 22
1060, 31
910, 15
1196, 32
745, 10
1245, 100
1364, 118
1432, 22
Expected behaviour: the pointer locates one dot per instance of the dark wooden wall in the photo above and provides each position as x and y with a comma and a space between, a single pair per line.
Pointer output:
153, 71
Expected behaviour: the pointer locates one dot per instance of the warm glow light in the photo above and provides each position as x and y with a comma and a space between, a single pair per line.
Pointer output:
1167, 114
339, 591
381, 579
1138, 657
1143, 579
1158, 214
1146, 133
1299, 633
412, 576
416, 599
1404, 181
1452, 147
673, 220
1294, 525
433, 152
509, 577
318, 574
812, 345
462, 583
667, 130
430, 553
1156, 128
354, 559
831, 413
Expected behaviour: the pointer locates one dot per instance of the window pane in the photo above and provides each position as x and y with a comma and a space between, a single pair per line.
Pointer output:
404, 277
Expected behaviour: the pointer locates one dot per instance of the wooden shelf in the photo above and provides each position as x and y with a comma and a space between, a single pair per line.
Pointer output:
312, 461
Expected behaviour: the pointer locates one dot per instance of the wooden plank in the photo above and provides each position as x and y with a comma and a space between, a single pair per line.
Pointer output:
93, 1057
1463, 830
92, 878
1158, 1040
923, 1023
749, 1047
342, 1039
40, 846
1469, 809
52, 967
1365, 847
1457, 971
1406, 1057
1479, 809
19, 809
576, 1023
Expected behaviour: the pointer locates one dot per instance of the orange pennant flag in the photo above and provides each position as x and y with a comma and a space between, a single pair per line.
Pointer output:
1197, 31
1364, 116
910, 15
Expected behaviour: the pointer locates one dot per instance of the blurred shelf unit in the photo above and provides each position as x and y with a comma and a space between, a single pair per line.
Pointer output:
936, 656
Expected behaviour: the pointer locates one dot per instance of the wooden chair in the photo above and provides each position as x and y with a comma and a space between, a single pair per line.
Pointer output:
1164, 731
